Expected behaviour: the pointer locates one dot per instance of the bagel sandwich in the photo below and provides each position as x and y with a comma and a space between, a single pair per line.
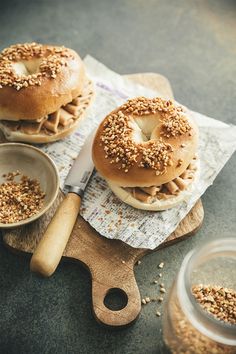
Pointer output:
146, 150
44, 92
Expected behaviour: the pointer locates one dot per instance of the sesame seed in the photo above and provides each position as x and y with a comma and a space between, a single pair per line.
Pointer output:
161, 265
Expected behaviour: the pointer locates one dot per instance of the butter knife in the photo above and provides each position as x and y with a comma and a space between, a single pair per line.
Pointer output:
50, 248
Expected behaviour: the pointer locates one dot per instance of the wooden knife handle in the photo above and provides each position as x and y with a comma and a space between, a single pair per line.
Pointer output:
51, 247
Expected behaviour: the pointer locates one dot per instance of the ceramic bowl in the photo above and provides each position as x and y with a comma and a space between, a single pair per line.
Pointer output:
35, 164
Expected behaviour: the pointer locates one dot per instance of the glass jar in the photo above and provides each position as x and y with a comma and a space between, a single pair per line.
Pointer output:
187, 326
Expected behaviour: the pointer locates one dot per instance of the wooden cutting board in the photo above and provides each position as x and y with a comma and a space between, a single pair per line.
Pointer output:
110, 262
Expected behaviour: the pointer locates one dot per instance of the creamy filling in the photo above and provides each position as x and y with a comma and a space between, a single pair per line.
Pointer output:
167, 190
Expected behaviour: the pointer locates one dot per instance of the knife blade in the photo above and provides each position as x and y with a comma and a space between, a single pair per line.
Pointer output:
52, 245
82, 169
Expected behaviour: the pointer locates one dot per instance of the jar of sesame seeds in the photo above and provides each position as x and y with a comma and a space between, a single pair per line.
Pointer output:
200, 313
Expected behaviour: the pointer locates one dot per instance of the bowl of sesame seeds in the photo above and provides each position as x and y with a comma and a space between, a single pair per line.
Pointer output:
29, 184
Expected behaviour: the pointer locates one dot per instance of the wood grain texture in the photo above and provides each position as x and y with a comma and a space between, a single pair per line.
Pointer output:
110, 262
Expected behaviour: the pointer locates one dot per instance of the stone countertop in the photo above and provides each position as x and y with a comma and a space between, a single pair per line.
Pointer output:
192, 43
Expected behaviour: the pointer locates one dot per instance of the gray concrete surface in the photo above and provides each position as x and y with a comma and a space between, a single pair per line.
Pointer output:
193, 44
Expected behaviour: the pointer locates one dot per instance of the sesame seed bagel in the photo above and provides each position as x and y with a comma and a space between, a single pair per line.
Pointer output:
36, 80
144, 143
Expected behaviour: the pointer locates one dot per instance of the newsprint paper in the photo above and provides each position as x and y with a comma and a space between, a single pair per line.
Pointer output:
100, 207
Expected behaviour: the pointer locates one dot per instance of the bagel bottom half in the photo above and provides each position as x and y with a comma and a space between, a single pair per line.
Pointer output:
157, 204
41, 137
36, 132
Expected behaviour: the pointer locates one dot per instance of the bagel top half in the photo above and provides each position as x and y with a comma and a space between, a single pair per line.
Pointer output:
145, 142
36, 79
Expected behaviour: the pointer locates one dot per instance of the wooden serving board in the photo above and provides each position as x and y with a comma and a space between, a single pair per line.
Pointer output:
110, 262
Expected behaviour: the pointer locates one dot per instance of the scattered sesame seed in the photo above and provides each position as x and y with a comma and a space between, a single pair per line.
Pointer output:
160, 275
158, 314
147, 299
162, 290
139, 262
143, 301
161, 265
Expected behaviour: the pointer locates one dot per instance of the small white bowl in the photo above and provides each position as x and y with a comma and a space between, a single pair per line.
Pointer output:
35, 164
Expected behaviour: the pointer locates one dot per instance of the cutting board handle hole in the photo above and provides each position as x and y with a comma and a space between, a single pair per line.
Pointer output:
116, 299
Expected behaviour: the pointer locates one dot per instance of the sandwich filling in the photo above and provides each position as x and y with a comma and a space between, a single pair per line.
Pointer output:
167, 190
57, 121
